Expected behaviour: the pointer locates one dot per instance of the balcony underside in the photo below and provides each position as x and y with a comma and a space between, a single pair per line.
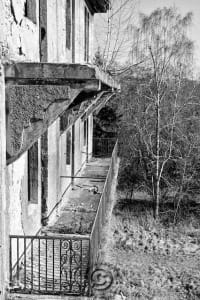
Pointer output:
38, 93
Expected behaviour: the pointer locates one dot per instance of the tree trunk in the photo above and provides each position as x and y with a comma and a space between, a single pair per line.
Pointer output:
157, 194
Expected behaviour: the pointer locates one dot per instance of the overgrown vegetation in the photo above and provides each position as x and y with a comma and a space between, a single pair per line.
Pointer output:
152, 260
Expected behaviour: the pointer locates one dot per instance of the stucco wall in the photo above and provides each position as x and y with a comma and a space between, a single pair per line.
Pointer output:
79, 28
25, 217
56, 32
19, 38
65, 170
53, 165
20, 42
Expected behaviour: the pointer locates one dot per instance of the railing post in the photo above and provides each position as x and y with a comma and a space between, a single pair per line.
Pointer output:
10, 259
90, 265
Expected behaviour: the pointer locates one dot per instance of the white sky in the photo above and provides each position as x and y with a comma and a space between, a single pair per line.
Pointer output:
146, 7
185, 6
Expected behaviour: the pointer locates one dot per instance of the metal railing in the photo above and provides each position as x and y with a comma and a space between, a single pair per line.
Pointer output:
103, 147
59, 264
101, 215
49, 265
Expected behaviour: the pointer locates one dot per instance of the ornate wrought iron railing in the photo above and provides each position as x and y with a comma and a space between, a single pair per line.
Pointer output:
103, 147
60, 264
49, 265
100, 219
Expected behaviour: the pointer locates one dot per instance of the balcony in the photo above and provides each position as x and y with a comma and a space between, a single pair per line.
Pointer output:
38, 93
61, 259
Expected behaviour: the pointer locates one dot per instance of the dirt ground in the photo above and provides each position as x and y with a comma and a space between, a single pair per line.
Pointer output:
152, 260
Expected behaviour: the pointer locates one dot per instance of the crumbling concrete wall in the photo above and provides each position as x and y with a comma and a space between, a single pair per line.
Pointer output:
56, 32
65, 170
80, 35
19, 40
53, 166
25, 217
3, 203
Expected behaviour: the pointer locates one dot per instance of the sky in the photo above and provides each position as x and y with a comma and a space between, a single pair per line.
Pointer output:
134, 7
185, 6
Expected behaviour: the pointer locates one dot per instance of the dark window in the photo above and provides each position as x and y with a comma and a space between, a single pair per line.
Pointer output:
73, 31
64, 121
68, 24
87, 26
33, 174
85, 133
68, 147
30, 10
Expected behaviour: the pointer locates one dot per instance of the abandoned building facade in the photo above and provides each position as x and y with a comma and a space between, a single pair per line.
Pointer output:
49, 178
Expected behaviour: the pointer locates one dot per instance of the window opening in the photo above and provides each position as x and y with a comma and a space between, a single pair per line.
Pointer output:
33, 174
87, 24
30, 10
85, 133
68, 24
68, 147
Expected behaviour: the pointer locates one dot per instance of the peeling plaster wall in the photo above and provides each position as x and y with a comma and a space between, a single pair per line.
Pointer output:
79, 28
64, 55
56, 32
65, 170
52, 34
25, 217
21, 41
57, 52
53, 165
20, 38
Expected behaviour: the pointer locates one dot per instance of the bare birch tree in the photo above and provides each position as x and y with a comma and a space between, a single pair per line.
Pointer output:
112, 32
160, 139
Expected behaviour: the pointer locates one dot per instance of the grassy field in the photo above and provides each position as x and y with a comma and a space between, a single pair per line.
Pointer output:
154, 260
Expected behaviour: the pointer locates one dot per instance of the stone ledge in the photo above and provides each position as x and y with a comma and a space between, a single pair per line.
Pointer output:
14, 296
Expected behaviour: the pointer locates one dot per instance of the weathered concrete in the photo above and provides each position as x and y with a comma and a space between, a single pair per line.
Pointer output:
44, 297
53, 166
57, 73
80, 204
3, 205
31, 109
21, 39
43, 40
